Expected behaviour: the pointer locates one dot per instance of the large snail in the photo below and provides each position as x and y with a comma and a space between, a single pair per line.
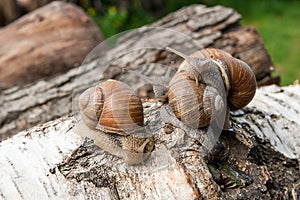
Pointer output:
208, 82
113, 116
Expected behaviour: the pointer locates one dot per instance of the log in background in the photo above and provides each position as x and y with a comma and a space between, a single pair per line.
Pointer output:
44, 43
25, 106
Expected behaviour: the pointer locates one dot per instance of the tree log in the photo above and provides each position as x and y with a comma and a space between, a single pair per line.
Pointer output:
9, 11
51, 161
187, 30
46, 42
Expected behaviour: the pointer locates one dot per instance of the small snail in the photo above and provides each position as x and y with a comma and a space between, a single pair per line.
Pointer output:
207, 83
113, 116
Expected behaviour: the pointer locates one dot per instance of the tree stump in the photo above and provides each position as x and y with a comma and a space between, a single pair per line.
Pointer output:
188, 29
262, 155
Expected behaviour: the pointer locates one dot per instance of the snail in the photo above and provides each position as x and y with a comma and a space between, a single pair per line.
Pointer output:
112, 116
208, 83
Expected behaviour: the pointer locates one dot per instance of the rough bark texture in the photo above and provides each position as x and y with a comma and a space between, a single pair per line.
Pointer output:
46, 42
186, 30
51, 161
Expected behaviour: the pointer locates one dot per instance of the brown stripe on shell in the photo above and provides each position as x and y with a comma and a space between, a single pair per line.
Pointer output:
98, 101
242, 83
205, 53
122, 110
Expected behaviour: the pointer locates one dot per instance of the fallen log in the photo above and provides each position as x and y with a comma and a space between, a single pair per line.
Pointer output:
188, 29
259, 160
46, 42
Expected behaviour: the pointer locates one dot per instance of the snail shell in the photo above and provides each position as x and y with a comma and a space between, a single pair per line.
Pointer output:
242, 82
114, 112
218, 78
113, 107
204, 54
192, 104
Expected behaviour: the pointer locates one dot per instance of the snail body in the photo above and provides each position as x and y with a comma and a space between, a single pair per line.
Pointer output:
113, 114
215, 80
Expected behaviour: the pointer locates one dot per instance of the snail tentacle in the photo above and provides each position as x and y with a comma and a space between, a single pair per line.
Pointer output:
141, 149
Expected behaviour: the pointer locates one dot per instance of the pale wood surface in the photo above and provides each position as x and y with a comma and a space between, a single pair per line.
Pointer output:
50, 161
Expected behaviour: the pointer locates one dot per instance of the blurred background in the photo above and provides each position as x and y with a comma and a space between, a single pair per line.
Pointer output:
277, 21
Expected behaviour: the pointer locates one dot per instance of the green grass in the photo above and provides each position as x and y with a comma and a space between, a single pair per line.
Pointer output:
277, 22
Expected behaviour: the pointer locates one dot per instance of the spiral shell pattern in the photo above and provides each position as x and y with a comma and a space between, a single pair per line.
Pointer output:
112, 107
242, 83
